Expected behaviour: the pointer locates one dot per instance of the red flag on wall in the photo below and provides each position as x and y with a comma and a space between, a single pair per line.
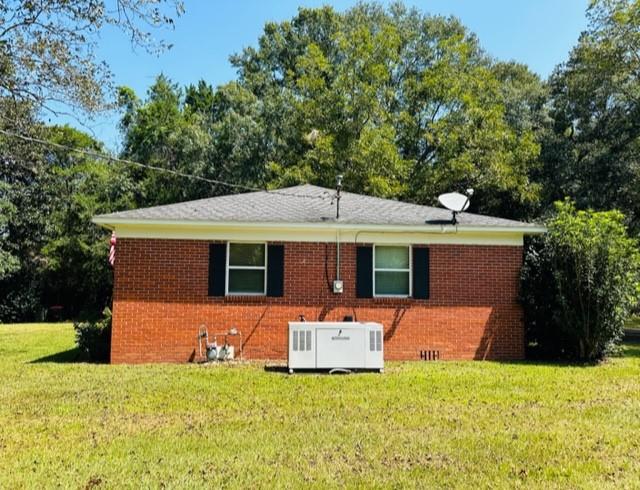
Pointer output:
112, 250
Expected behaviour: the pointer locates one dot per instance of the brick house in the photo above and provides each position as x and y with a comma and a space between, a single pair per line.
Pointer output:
258, 260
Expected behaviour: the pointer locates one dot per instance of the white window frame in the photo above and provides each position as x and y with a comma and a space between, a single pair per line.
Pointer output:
410, 271
245, 267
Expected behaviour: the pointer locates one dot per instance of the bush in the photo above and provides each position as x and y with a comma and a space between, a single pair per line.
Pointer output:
580, 283
20, 299
538, 296
94, 338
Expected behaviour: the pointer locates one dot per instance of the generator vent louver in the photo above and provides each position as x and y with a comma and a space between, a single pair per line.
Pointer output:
430, 355
301, 340
375, 340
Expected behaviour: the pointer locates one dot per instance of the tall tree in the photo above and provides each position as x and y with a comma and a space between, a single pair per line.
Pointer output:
23, 177
524, 97
75, 272
593, 153
8, 261
58, 257
48, 61
220, 135
162, 131
48, 47
403, 104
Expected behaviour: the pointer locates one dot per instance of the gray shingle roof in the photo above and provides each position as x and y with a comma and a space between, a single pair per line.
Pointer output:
304, 204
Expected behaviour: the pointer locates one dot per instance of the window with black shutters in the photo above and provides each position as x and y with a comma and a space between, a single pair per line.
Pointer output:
392, 270
246, 268
399, 271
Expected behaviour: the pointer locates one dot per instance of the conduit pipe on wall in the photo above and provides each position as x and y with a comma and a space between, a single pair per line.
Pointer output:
337, 255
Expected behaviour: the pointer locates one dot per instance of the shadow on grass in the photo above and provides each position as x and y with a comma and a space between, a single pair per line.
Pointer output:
64, 357
550, 363
631, 350
281, 369
632, 336
276, 369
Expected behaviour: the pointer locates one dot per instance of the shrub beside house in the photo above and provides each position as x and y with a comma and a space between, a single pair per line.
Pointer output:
581, 281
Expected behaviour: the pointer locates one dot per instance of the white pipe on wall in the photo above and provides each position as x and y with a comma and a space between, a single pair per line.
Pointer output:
337, 254
443, 231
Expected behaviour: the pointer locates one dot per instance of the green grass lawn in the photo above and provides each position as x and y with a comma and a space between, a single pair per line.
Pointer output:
452, 424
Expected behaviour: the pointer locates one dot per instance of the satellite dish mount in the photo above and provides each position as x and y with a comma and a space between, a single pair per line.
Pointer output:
456, 203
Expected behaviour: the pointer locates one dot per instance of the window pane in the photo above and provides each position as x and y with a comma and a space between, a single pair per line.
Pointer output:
246, 254
246, 281
392, 257
392, 283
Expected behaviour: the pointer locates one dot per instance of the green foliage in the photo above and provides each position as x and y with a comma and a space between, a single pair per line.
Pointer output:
9, 263
593, 153
94, 338
49, 253
58, 257
48, 48
580, 283
239, 137
402, 104
24, 194
21, 298
165, 133
75, 271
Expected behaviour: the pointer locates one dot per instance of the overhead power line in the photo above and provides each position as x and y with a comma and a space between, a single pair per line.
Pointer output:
103, 156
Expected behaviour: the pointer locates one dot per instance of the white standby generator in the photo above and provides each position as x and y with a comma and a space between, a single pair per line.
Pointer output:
335, 345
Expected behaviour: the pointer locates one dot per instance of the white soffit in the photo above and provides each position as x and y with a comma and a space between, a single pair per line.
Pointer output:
320, 232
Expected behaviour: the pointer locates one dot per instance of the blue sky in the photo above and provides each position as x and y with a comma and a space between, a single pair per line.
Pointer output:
539, 33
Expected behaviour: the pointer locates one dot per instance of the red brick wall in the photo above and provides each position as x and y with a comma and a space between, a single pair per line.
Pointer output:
160, 299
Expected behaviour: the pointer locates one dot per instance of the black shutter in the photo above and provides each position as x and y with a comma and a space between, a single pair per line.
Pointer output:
421, 273
275, 270
364, 272
217, 266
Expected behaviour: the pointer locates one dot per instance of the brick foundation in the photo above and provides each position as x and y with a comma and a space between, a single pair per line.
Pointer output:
160, 299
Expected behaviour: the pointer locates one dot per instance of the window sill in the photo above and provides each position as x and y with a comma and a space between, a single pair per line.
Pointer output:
231, 295
391, 296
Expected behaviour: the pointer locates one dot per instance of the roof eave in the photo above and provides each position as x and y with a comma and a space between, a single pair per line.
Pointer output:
111, 223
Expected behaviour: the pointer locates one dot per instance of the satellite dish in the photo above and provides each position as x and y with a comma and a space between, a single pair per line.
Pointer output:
456, 202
